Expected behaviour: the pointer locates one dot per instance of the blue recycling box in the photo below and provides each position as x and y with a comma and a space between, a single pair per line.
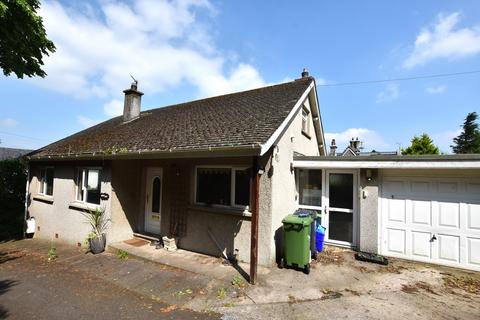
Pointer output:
319, 237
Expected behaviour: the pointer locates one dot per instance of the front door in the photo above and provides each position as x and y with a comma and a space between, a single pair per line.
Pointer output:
153, 200
340, 217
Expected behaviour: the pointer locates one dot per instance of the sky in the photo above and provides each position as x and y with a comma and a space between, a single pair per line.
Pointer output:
188, 49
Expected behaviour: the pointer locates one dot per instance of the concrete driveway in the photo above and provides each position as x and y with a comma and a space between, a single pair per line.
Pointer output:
341, 287
77, 285
103, 286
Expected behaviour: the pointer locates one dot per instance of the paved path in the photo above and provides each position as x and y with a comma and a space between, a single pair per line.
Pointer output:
83, 286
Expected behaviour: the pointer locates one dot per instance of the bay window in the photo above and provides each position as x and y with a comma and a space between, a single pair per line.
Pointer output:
223, 186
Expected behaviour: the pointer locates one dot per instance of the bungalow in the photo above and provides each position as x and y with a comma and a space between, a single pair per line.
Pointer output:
219, 174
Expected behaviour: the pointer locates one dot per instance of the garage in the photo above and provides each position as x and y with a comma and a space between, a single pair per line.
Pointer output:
431, 216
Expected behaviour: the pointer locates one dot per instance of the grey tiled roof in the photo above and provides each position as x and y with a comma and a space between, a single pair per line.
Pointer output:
11, 153
234, 120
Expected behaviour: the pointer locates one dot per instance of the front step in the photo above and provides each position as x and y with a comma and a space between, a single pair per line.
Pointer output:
148, 237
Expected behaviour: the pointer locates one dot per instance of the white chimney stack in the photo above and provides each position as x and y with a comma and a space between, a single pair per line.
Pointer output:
133, 101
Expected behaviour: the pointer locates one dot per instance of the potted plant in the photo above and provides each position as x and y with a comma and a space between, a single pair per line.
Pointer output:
99, 223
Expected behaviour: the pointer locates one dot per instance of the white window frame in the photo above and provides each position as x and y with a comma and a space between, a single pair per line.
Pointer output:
43, 182
306, 118
84, 190
297, 182
233, 169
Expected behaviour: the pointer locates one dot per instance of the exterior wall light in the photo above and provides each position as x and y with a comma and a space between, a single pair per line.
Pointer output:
368, 174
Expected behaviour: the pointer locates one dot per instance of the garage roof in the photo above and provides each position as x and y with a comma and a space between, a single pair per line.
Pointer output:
465, 161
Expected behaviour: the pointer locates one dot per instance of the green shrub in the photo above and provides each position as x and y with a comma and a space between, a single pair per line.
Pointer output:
13, 179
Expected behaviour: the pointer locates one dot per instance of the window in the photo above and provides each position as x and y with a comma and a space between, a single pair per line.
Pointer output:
310, 187
88, 185
223, 186
305, 121
156, 185
46, 181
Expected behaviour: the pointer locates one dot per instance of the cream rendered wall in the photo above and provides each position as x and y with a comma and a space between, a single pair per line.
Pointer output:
368, 211
59, 217
284, 193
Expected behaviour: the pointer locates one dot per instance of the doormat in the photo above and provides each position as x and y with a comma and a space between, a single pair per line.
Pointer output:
136, 242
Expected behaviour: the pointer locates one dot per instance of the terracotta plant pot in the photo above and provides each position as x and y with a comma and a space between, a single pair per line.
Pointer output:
97, 244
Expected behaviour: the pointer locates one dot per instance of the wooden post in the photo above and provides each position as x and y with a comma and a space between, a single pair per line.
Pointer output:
255, 183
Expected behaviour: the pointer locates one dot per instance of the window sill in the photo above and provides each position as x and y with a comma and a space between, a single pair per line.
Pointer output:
43, 198
306, 135
225, 210
83, 205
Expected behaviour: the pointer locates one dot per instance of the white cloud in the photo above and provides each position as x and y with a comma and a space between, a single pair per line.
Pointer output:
390, 93
162, 43
8, 122
445, 139
86, 122
113, 108
435, 90
370, 138
444, 40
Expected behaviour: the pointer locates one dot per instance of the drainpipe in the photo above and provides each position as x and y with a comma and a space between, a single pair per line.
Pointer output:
26, 201
255, 182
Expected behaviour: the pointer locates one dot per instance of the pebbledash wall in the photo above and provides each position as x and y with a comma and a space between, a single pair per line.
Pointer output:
59, 217
284, 190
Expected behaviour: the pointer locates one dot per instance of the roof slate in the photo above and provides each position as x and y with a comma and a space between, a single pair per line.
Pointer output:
233, 120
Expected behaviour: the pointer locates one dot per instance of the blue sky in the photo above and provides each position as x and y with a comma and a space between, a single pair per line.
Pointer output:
183, 50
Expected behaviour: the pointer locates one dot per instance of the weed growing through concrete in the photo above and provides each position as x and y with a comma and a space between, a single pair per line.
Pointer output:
122, 255
184, 292
238, 282
221, 293
52, 253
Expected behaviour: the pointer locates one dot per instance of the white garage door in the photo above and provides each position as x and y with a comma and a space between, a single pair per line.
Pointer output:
431, 219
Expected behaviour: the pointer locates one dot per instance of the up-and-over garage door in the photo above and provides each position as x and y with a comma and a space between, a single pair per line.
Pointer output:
431, 219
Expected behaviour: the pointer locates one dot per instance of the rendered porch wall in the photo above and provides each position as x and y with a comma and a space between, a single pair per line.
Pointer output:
58, 217
231, 230
126, 200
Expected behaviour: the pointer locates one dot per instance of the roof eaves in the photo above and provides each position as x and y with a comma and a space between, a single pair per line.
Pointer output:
253, 149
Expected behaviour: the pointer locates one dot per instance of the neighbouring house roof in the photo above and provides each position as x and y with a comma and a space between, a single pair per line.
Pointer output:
11, 153
453, 161
245, 120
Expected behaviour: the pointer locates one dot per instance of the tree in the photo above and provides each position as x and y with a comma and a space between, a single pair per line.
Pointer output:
468, 141
23, 39
421, 145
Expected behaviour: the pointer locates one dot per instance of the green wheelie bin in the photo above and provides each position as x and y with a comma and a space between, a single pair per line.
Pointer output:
296, 231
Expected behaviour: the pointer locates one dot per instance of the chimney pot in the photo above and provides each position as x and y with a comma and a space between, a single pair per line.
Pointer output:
132, 104
305, 73
333, 148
